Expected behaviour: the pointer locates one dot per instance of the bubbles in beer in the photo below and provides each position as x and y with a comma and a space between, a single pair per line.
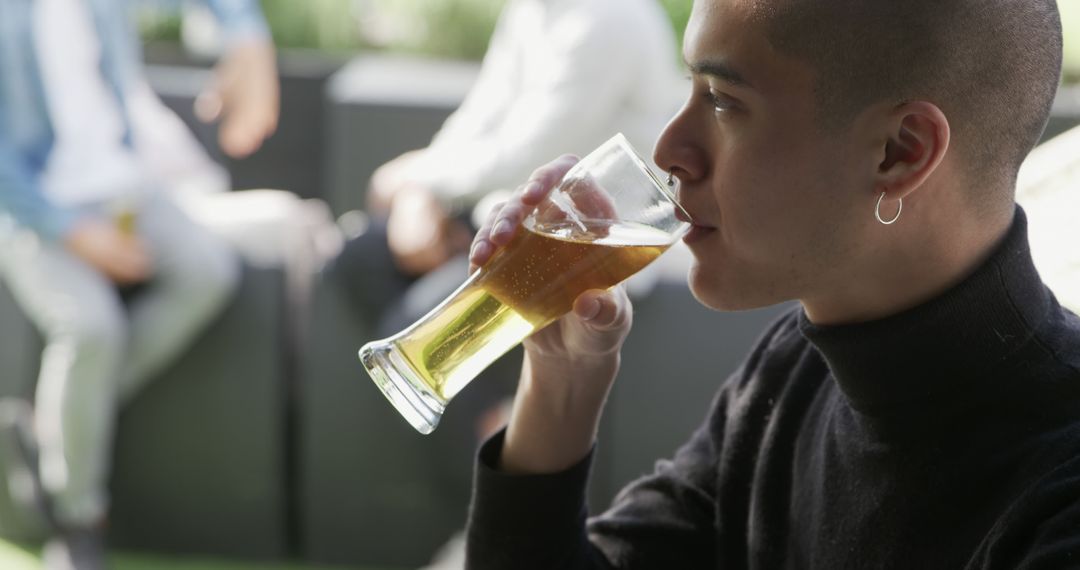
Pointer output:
530, 283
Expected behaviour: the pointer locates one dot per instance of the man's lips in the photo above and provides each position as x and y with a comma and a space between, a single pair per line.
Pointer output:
697, 233
698, 229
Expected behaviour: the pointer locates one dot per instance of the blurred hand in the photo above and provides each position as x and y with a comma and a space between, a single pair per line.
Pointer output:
388, 180
244, 96
600, 320
120, 256
420, 233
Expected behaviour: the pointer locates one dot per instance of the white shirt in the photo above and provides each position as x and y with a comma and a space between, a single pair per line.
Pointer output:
559, 76
89, 161
1047, 190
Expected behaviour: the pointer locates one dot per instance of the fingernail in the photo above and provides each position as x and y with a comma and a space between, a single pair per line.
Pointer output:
592, 309
480, 248
503, 227
532, 190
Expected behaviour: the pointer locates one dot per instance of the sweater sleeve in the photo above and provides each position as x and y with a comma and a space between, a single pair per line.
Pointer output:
668, 519
664, 520
538, 522
528, 521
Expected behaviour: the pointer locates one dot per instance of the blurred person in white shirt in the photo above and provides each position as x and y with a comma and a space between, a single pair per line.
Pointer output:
559, 76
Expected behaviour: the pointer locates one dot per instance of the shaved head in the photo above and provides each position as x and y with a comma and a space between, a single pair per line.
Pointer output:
992, 66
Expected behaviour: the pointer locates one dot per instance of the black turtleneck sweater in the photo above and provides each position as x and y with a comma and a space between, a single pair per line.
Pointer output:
947, 436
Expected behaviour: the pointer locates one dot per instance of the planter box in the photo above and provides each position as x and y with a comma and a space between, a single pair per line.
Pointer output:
199, 454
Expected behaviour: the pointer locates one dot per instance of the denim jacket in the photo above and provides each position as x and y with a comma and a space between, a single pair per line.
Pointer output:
26, 134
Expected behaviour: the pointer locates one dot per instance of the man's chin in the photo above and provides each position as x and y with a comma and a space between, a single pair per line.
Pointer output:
720, 303
709, 294
714, 292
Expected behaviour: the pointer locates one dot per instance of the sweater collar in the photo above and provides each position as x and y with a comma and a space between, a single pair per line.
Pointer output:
938, 347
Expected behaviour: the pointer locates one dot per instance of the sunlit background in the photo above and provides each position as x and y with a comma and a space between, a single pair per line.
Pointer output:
456, 29
436, 28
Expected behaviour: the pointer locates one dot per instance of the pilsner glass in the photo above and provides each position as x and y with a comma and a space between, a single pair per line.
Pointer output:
609, 217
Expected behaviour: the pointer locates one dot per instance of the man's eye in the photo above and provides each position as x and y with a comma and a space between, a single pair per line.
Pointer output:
720, 102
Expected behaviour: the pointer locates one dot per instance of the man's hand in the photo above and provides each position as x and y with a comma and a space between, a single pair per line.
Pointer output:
420, 233
244, 96
569, 365
121, 257
388, 180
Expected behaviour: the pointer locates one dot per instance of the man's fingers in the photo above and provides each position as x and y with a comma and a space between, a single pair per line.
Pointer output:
503, 222
603, 310
244, 129
131, 263
546, 177
208, 105
482, 248
540, 184
489, 221
506, 223
479, 254
593, 200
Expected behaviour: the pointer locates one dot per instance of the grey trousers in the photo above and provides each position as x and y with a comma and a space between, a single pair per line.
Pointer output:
98, 351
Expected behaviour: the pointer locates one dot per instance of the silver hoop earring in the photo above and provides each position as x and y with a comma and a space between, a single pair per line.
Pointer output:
877, 210
670, 179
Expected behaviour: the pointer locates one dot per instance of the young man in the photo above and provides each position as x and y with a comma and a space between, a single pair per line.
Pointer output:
921, 409
84, 213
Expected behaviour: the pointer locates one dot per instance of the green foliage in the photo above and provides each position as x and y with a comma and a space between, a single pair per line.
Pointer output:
452, 29
458, 29
1070, 20
679, 13
462, 28
155, 22
314, 24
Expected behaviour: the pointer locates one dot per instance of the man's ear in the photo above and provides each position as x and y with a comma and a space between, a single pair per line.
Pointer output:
916, 144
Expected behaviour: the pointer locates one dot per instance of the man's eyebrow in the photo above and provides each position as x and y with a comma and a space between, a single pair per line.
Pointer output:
720, 70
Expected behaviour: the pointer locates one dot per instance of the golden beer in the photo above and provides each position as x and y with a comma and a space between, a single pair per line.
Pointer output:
530, 283
608, 218
125, 221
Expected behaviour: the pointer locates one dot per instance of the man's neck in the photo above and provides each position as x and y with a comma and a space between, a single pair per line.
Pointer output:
917, 264
914, 371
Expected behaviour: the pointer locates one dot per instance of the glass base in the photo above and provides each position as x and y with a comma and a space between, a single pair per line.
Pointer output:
402, 385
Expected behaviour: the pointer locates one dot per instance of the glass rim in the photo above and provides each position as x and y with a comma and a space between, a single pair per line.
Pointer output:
621, 140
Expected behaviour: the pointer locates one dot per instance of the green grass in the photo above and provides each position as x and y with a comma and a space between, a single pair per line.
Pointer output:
16, 557
1070, 21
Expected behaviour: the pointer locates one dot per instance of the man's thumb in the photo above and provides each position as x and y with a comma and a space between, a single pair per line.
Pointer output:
209, 105
598, 308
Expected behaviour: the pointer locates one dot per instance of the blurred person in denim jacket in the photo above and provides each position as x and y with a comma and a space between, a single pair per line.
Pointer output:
84, 216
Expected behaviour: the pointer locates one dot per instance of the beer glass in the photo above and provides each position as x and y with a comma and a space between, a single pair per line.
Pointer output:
609, 217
